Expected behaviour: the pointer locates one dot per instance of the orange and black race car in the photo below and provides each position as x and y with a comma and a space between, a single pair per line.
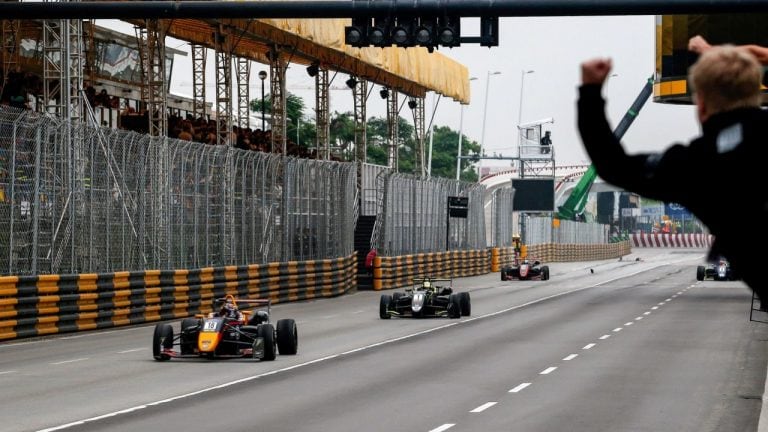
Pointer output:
228, 333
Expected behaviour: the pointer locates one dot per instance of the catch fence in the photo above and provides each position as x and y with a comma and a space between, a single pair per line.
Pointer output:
75, 199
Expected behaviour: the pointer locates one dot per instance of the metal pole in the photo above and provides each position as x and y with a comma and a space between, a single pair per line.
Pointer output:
458, 153
485, 114
523, 73
366, 8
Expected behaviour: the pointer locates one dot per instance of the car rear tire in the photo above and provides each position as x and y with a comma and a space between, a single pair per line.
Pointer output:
700, 270
466, 303
162, 339
384, 303
267, 332
503, 273
287, 337
454, 306
545, 273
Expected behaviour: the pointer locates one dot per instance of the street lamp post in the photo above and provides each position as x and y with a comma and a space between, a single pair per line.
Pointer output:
461, 131
262, 77
485, 115
523, 73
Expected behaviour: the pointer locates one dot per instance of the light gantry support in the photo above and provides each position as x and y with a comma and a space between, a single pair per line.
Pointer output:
223, 87
419, 128
199, 56
392, 129
243, 93
322, 116
277, 68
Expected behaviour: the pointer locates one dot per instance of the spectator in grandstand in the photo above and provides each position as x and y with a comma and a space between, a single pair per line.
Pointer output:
725, 83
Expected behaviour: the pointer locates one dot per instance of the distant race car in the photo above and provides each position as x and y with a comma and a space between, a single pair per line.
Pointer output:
426, 299
525, 270
720, 271
213, 336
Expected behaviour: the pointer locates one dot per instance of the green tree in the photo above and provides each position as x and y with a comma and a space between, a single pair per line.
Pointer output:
294, 109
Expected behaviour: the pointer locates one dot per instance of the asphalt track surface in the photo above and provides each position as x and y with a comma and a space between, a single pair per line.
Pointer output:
634, 346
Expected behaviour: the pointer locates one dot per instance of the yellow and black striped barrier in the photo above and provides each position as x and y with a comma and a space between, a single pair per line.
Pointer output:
399, 271
49, 304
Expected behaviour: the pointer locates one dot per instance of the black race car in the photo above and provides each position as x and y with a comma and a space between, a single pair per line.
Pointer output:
719, 271
525, 270
426, 299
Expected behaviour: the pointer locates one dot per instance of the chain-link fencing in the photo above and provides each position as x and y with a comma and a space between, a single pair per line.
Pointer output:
540, 230
502, 221
77, 199
413, 216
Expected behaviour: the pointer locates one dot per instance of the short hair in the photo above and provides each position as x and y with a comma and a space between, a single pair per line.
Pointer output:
725, 78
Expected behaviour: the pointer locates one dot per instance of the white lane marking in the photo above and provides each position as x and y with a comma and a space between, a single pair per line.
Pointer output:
654, 308
519, 388
588, 346
443, 427
483, 407
647, 313
604, 337
674, 296
131, 350
628, 323
679, 293
668, 300
69, 361
72, 337
617, 329
548, 370
662, 303
358, 312
330, 357
638, 318
330, 316
570, 357
7, 372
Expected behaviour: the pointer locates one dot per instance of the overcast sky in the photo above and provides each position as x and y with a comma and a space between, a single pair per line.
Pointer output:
553, 48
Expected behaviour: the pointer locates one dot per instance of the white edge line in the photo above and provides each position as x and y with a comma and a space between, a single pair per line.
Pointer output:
322, 359
519, 388
69, 361
443, 427
483, 407
131, 350
7, 372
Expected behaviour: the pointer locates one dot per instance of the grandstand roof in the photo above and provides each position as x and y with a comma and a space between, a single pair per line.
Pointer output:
412, 71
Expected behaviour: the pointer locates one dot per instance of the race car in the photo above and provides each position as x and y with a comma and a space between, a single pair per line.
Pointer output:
216, 335
719, 271
525, 270
427, 298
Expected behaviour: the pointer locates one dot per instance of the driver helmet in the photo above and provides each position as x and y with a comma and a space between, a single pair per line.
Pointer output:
229, 305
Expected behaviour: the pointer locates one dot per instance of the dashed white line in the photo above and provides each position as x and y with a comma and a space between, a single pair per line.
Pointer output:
483, 407
654, 308
617, 329
674, 296
647, 313
548, 370
628, 323
7, 372
519, 388
588, 346
358, 312
69, 361
679, 293
604, 337
638, 318
443, 427
329, 316
570, 357
668, 300
131, 350
661, 304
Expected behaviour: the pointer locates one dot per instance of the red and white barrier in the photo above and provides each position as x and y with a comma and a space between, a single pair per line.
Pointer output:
672, 240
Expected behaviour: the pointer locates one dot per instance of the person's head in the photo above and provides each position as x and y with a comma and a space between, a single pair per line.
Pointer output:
547, 133
725, 78
229, 304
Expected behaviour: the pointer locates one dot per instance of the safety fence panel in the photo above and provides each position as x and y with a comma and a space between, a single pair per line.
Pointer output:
545, 229
413, 216
502, 225
76, 199
49, 304
399, 271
